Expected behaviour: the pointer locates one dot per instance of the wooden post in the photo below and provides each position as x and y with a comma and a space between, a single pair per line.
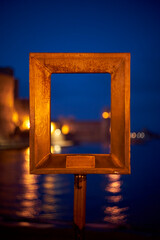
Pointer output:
79, 205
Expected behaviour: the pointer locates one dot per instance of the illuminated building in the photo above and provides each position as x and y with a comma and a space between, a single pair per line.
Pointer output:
14, 111
6, 102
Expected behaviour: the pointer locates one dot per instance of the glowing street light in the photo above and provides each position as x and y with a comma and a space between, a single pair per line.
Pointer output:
26, 124
15, 117
106, 115
65, 129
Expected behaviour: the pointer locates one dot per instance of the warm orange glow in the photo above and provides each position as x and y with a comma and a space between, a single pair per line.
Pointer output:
114, 210
53, 127
15, 117
115, 215
114, 199
113, 177
114, 185
106, 115
52, 149
24, 224
49, 185
29, 196
65, 129
27, 153
26, 124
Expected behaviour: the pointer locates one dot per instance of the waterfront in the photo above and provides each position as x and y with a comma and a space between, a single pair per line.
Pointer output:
113, 201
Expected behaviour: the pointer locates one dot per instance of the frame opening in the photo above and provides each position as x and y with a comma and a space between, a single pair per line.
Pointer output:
80, 113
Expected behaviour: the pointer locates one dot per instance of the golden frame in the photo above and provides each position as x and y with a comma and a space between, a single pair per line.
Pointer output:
41, 66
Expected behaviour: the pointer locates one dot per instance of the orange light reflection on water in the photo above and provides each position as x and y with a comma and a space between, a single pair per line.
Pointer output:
50, 203
114, 187
44, 204
25, 196
114, 213
29, 195
114, 199
114, 177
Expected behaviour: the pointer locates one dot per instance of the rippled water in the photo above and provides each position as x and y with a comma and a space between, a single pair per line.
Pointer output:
111, 199
32, 197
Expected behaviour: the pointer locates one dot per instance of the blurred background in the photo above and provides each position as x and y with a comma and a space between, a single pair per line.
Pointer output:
80, 112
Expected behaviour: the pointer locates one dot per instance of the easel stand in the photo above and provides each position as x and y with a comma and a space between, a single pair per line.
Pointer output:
79, 206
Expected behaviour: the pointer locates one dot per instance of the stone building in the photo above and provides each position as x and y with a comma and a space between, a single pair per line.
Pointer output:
14, 112
6, 102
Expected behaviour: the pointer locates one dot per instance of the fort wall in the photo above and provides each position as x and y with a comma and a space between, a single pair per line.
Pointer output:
6, 102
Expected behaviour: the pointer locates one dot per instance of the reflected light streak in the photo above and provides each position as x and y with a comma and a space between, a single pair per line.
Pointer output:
50, 202
49, 198
113, 177
32, 197
28, 204
115, 210
30, 180
27, 154
114, 213
49, 207
118, 219
113, 187
24, 224
114, 199
29, 196
48, 185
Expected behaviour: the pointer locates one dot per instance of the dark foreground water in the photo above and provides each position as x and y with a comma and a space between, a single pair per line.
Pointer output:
112, 200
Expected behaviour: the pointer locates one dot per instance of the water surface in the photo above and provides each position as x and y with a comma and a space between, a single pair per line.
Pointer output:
112, 200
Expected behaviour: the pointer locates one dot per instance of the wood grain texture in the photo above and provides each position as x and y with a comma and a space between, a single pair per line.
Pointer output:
42, 65
80, 161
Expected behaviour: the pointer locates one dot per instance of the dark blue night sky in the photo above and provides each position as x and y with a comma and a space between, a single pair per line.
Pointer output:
88, 26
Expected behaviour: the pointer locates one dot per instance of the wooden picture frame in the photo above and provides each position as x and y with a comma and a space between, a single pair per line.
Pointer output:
41, 66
